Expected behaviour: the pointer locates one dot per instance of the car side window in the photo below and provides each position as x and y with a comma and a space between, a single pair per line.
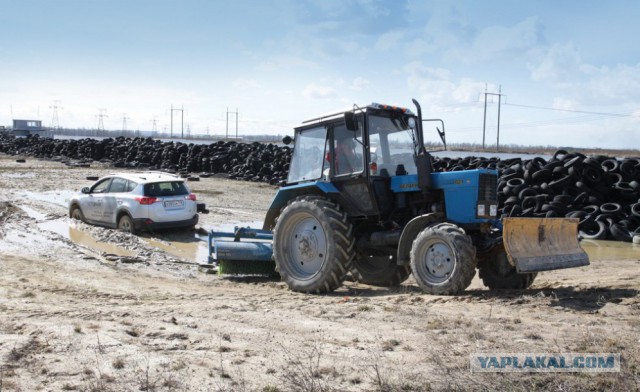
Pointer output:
131, 186
102, 186
118, 185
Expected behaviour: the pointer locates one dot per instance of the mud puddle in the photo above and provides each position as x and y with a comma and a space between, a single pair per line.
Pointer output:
194, 249
58, 197
81, 238
188, 246
611, 250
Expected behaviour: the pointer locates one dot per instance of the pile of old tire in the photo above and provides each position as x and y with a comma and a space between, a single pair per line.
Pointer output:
602, 192
243, 161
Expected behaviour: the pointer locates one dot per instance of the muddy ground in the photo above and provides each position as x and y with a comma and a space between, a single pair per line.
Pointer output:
89, 308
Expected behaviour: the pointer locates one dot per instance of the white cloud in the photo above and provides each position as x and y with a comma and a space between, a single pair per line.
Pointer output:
562, 68
518, 39
564, 104
615, 85
559, 65
317, 91
359, 83
389, 40
467, 90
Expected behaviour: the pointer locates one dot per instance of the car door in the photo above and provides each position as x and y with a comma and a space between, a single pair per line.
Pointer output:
113, 200
93, 204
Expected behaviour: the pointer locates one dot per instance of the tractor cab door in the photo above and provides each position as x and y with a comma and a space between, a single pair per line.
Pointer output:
347, 157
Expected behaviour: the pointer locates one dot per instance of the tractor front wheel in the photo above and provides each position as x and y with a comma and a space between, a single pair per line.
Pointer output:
313, 245
498, 274
443, 259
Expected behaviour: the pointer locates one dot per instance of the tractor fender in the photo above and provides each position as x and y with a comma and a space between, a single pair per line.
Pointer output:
410, 232
288, 193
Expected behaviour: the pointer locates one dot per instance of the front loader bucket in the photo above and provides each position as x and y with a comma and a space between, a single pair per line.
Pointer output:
542, 244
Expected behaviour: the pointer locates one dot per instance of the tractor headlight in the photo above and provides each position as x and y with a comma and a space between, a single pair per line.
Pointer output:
493, 210
481, 210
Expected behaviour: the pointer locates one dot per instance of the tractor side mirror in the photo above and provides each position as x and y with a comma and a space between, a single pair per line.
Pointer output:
287, 140
351, 121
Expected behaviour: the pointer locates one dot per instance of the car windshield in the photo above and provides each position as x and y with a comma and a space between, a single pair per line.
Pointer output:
167, 188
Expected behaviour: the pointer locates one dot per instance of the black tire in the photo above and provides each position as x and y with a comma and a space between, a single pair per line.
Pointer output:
76, 213
313, 245
379, 270
443, 259
125, 223
498, 274
596, 231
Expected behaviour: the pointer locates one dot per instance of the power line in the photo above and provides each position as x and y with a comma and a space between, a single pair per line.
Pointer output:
571, 111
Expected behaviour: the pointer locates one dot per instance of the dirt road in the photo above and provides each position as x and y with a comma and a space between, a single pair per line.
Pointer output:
88, 308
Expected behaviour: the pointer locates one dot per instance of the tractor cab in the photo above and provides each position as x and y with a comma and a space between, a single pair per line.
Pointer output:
358, 153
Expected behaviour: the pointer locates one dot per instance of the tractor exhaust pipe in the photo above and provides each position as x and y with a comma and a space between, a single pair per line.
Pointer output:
423, 158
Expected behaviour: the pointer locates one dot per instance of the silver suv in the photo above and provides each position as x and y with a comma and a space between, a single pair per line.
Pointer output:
136, 201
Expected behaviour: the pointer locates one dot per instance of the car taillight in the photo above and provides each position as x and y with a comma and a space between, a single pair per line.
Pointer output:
145, 200
191, 197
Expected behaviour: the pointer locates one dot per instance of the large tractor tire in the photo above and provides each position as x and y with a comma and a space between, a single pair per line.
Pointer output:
379, 270
498, 274
313, 245
443, 259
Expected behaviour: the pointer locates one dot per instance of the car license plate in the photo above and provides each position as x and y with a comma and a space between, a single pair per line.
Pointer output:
173, 203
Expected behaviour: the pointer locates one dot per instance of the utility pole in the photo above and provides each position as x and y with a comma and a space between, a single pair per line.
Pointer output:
236, 113
181, 110
55, 122
154, 126
124, 122
484, 124
101, 115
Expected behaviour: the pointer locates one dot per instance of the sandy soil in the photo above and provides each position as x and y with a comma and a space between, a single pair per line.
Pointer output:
89, 308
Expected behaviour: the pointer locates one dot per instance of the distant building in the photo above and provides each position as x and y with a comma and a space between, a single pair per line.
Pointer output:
27, 127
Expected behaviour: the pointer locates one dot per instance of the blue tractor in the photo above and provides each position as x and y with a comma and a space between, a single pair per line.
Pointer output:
361, 199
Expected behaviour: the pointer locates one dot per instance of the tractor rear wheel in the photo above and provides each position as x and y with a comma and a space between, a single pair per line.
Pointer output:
379, 270
313, 245
498, 274
443, 259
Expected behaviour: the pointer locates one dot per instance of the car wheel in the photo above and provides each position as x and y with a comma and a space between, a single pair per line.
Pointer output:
125, 223
76, 213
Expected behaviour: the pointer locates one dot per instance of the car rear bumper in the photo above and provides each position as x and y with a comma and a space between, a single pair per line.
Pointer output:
147, 224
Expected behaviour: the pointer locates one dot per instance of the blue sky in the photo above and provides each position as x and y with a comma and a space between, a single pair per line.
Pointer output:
569, 70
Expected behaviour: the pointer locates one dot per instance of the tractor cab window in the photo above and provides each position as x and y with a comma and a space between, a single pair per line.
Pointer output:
348, 149
307, 162
391, 145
